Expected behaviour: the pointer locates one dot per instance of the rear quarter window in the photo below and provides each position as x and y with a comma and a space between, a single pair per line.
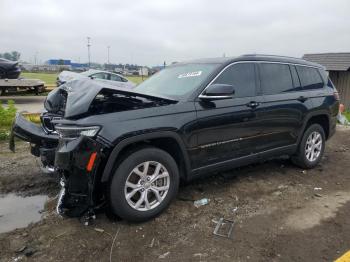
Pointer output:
310, 77
275, 78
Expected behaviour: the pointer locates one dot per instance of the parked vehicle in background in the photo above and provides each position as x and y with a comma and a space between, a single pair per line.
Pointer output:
9, 69
98, 75
130, 148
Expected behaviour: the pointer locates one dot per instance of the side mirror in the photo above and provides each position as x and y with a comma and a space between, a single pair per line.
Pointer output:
92, 77
218, 92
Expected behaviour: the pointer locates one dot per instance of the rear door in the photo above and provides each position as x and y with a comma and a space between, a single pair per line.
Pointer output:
285, 105
229, 128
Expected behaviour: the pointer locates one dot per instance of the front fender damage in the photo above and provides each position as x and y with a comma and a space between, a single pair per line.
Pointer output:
77, 162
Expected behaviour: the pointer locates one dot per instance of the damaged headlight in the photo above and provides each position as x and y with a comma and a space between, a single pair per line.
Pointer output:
76, 131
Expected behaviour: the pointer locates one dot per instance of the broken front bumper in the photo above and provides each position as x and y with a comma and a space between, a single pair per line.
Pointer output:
77, 162
43, 145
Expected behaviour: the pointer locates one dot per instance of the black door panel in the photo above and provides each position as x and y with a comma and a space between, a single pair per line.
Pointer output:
283, 117
227, 129
285, 105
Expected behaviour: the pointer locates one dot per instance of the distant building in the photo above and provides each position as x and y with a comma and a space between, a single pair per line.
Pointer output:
338, 66
143, 71
58, 62
44, 68
67, 62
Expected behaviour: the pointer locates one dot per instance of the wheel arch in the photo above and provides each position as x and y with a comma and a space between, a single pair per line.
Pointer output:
165, 140
322, 118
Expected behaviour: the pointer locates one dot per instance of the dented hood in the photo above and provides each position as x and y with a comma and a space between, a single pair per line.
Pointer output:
75, 97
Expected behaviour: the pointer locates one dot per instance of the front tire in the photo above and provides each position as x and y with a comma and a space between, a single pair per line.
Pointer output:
311, 147
144, 184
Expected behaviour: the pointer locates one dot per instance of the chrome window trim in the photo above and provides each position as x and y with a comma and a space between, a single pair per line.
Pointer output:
202, 95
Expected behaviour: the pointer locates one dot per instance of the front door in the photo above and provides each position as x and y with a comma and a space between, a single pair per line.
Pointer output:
229, 128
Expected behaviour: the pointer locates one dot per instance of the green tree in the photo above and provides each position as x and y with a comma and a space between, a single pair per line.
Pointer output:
7, 56
13, 56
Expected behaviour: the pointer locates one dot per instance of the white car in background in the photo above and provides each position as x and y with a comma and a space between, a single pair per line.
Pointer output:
98, 75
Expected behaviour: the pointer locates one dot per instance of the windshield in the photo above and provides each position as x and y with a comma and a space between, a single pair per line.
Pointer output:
176, 81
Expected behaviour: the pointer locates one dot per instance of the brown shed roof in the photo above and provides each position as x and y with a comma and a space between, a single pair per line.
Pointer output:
332, 61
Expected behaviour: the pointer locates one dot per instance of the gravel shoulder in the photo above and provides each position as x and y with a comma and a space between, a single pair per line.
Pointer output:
279, 210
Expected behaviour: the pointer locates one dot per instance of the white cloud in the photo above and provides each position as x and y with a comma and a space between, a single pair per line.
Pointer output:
149, 32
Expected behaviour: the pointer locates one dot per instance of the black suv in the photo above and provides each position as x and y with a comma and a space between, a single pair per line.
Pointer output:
129, 149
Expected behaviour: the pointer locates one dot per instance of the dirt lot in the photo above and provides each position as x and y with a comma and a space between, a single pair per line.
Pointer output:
278, 214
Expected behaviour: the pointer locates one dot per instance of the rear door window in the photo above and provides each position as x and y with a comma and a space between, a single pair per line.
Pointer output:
310, 78
116, 78
241, 77
100, 76
275, 78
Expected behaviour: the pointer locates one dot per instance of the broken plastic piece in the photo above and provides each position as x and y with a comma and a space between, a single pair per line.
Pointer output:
201, 202
219, 226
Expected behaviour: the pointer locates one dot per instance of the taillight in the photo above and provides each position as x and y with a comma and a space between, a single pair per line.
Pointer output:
336, 95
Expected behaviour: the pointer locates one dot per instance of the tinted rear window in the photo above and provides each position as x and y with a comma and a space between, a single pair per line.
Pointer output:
310, 78
241, 77
275, 78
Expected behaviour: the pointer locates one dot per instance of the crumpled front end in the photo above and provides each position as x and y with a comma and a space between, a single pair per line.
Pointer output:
77, 161
72, 138
42, 144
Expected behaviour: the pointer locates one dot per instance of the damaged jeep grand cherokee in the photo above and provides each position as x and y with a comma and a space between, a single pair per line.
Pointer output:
128, 149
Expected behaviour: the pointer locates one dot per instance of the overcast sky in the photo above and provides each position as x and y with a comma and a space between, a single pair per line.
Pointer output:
149, 32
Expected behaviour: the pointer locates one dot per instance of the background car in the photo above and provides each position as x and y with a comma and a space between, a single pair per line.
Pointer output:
104, 76
9, 69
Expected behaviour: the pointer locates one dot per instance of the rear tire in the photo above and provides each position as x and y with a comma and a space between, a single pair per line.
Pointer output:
144, 184
311, 147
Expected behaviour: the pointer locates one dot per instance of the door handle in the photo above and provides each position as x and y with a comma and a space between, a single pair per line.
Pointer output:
253, 104
302, 99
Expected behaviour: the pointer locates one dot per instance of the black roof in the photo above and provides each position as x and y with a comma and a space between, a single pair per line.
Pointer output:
331, 61
251, 57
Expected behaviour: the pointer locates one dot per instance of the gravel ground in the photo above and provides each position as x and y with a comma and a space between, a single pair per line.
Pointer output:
278, 215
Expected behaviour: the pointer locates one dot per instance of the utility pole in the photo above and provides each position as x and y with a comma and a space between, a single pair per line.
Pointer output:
35, 57
108, 47
88, 46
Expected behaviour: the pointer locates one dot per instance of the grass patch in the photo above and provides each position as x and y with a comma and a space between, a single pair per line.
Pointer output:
48, 78
347, 115
136, 79
7, 116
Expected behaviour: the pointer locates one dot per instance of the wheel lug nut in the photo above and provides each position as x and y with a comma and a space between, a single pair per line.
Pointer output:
148, 178
142, 189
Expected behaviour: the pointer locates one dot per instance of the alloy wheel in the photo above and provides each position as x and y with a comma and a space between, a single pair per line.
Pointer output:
147, 185
313, 146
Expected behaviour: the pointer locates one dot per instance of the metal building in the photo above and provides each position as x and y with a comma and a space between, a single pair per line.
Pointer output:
338, 66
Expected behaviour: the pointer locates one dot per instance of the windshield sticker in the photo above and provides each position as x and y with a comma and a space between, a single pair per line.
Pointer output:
190, 74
